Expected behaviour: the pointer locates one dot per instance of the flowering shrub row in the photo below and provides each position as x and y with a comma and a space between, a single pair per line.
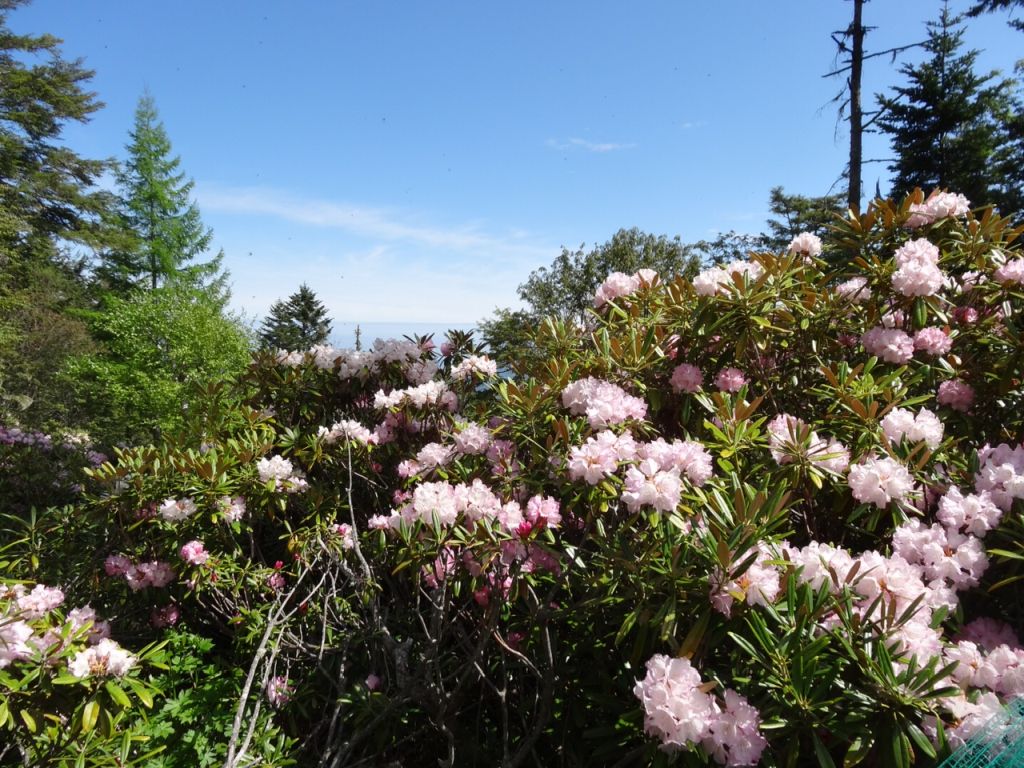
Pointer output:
769, 516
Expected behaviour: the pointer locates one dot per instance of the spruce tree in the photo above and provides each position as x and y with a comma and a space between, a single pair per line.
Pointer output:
946, 125
296, 324
167, 235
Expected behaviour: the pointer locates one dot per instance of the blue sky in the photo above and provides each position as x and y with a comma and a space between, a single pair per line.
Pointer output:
414, 161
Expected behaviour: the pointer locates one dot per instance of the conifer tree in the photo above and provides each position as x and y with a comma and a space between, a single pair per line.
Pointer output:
167, 235
946, 125
296, 324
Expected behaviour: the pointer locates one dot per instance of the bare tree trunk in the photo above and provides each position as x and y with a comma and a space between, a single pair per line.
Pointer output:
856, 112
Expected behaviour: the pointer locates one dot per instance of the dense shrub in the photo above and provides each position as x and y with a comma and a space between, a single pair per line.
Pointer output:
770, 514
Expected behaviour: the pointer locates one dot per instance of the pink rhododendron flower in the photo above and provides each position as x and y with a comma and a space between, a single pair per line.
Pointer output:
279, 692
989, 633
15, 635
939, 205
714, 281
475, 365
734, 738
373, 682
890, 344
686, 457
434, 455
1011, 272
687, 378
676, 711
932, 341
104, 658
117, 565
344, 532
39, 602
543, 511
232, 509
917, 272
616, 285
974, 514
923, 427
194, 553
854, 290
958, 395
880, 481
276, 581
167, 616
730, 380
348, 430
1001, 474
757, 585
599, 457
647, 485
805, 243
602, 402
176, 510
473, 439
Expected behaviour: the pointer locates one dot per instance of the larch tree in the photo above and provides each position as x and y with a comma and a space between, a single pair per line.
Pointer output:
167, 237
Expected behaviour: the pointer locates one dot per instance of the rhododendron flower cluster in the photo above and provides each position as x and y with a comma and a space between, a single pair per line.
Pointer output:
616, 286
154, 573
1001, 474
1011, 272
176, 510
281, 473
932, 341
432, 393
805, 243
232, 509
880, 481
759, 584
194, 553
924, 427
730, 380
890, 344
855, 290
600, 455
347, 429
472, 439
918, 272
475, 365
279, 692
939, 205
103, 659
602, 402
957, 394
679, 713
687, 378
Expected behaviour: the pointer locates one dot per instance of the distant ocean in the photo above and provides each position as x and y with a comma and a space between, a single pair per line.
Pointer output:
343, 334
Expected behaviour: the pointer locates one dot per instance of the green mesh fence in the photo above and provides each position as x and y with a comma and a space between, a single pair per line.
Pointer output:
999, 744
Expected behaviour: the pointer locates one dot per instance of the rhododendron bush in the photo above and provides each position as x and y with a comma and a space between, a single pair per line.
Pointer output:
769, 516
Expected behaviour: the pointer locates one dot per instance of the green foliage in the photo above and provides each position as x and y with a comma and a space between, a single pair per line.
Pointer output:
157, 345
299, 323
191, 724
948, 125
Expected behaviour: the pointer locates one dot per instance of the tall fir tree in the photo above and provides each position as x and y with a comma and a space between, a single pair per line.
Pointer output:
298, 323
167, 235
50, 210
947, 124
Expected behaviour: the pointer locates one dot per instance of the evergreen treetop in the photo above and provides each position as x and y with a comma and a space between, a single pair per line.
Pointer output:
947, 124
298, 323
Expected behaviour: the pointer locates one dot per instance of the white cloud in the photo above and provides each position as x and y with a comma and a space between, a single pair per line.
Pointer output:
589, 146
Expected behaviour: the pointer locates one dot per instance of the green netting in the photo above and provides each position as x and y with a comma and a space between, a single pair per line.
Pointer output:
999, 744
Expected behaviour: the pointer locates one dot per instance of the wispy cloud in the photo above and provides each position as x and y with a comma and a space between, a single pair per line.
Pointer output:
589, 146
688, 124
367, 263
365, 221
